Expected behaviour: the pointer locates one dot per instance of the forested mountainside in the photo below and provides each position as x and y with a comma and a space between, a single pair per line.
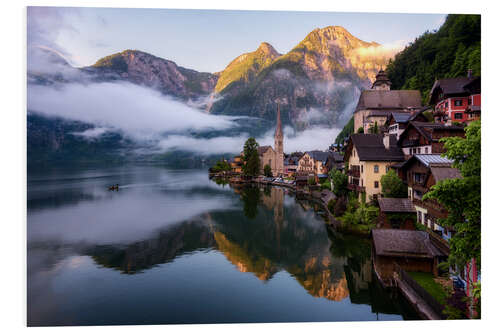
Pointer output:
447, 52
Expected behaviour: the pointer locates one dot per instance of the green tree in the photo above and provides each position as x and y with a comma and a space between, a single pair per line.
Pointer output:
346, 131
373, 128
393, 186
251, 159
267, 171
447, 52
221, 165
360, 130
462, 196
339, 180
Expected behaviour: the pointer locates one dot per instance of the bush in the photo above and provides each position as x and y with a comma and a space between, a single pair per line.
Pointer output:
267, 171
339, 181
340, 206
393, 186
331, 205
311, 181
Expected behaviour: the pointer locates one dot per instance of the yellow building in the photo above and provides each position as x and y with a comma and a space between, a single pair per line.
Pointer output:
369, 157
237, 164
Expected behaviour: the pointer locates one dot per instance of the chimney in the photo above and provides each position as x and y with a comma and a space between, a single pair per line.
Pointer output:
469, 73
387, 141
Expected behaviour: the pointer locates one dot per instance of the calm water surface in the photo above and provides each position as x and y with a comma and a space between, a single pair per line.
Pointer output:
172, 246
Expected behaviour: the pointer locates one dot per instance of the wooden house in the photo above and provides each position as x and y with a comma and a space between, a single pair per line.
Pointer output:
423, 137
398, 121
396, 213
412, 250
420, 173
456, 99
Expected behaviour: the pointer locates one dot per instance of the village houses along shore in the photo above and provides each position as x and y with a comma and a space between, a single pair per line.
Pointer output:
395, 135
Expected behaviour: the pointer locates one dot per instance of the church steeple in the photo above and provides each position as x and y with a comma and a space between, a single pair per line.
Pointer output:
278, 131
381, 81
278, 145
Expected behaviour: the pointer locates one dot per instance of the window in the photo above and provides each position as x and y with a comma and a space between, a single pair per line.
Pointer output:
469, 101
458, 115
386, 169
376, 184
375, 168
418, 150
446, 105
426, 150
361, 168
419, 216
458, 102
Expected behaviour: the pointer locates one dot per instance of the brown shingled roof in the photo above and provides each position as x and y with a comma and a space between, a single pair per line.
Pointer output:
262, 149
396, 205
370, 147
389, 99
441, 173
404, 243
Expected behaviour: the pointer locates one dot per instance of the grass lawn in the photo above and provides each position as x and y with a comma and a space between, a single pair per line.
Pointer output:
426, 280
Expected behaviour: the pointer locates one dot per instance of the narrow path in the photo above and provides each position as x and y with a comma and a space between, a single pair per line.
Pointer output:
418, 303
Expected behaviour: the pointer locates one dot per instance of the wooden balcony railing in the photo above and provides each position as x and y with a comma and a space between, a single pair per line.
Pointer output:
353, 172
356, 188
432, 207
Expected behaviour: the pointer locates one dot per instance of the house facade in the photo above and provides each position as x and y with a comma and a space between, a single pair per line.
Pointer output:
369, 157
398, 121
313, 163
420, 173
456, 99
424, 137
237, 164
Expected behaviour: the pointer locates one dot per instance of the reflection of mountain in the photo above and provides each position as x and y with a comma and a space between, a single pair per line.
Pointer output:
277, 238
177, 240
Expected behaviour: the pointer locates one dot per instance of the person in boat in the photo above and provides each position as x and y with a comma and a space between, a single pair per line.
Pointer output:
113, 187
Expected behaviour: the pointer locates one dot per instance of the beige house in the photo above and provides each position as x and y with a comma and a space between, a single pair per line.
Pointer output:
369, 157
376, 104
313, 162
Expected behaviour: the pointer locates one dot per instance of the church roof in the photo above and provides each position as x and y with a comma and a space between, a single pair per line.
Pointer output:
262, 149
389, 100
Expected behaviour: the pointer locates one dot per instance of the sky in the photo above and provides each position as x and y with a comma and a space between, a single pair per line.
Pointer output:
204, 40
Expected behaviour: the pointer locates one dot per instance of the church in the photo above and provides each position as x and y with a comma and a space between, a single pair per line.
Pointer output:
273, 157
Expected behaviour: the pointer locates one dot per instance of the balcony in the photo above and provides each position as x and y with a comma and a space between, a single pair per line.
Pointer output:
354, 172
433, 208
356, 188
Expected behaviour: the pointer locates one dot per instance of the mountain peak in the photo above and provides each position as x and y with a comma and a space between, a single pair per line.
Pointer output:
246, 66
267, 48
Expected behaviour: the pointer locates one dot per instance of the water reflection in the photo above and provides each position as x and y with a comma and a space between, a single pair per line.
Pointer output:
160, 217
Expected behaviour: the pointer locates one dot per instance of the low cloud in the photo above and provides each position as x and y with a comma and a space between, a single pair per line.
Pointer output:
92, 133
380, 52
140, 112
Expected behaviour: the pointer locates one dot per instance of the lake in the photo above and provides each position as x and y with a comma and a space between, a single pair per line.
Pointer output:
173, 246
